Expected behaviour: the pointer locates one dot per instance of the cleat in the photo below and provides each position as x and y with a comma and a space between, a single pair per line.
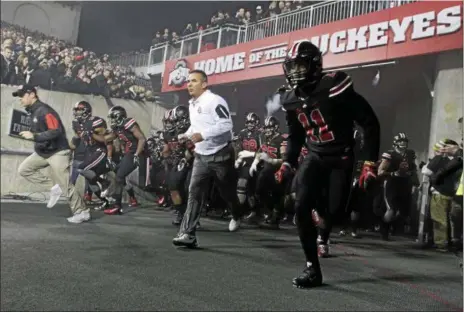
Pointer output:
308, 279
104, 205
115, 210
133, 202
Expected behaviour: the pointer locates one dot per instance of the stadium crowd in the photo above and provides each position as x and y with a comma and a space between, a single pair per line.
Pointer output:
37, 59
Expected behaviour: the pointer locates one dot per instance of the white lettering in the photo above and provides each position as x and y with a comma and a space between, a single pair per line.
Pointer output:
335, 45
357, 37
210, 66
224, 64
449, 20
377, 36
399, 29
239, 61
282, 52
421, 27
324, 44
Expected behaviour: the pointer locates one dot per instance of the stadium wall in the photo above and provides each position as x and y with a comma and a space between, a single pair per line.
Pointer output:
47, 17
15, 150
448, 97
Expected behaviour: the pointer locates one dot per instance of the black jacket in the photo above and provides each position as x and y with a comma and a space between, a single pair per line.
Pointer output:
49, 132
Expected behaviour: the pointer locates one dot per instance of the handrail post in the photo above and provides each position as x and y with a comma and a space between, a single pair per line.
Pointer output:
276, 22
351, 8
219, 38
165, 52
181, 48
311, 17
199, 41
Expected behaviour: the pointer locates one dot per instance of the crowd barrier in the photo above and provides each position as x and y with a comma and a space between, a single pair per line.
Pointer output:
14, 150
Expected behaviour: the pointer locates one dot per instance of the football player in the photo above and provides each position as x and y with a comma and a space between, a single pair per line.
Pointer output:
321, 110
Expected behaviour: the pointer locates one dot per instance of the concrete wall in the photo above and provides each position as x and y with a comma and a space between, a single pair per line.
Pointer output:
148, 115
47, 17
448, 97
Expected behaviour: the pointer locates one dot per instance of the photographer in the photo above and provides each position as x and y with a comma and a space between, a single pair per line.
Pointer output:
445, 171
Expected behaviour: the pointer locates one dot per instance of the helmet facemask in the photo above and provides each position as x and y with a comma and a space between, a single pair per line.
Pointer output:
401, 146
115, 119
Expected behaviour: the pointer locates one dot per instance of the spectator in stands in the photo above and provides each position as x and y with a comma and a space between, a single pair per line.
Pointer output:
240, 16
273, 9
156, 39
31, 57
247, 19
7, 65
175, 45
259, 13
166, 36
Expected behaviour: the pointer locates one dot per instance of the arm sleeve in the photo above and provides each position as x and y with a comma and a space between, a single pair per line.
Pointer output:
222, 120
295, 139
53, 129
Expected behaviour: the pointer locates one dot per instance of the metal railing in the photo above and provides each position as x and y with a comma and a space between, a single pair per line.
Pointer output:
214, 38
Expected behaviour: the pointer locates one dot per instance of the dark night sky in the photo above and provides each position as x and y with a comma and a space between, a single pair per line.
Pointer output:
112, 27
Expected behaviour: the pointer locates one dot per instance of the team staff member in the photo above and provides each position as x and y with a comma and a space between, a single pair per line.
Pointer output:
211, 132
51, 148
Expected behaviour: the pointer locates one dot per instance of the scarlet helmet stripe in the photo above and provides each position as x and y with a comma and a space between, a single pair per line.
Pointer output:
294, 49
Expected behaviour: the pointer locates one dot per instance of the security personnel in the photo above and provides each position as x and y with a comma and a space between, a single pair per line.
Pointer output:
51, 148
211, 132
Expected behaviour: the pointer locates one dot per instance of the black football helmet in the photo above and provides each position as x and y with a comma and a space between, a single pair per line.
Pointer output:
181, 118
303, 64
117, 116
252, 121
271, 126
400, 143
82, 110
167, 121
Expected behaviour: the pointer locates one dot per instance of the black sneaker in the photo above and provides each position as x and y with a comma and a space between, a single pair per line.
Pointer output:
177, 218
185, 240
310, 278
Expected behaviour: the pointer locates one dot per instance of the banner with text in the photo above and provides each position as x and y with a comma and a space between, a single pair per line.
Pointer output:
414, 29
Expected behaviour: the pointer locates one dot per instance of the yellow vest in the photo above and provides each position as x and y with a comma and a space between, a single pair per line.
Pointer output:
461, 186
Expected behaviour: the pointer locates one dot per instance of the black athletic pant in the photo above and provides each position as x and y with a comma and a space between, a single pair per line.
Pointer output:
316, 174
94, 165
125, 167
268, 191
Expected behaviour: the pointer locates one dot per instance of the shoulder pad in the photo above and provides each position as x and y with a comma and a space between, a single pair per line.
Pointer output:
334, 83
98, 122
129, 123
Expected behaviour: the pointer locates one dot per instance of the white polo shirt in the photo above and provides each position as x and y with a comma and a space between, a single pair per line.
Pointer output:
210, 116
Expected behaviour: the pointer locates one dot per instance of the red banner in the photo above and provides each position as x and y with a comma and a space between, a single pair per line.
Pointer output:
414, 29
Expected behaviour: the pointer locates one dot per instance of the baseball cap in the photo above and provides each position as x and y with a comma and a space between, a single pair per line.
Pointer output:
22, 90
258, 7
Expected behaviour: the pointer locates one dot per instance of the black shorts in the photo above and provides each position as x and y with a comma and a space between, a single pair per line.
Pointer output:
95, 161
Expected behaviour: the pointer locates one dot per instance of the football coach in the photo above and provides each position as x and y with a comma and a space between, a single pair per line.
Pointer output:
51, 149
211, 132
